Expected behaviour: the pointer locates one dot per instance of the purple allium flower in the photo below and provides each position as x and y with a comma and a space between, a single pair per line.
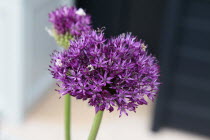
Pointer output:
70, 20
117, 72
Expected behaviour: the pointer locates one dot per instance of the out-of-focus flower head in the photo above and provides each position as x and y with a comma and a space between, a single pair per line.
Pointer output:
108, 73
68, 23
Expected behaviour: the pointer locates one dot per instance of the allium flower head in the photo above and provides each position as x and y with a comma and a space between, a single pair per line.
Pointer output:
108, 73
68, 23
70, 20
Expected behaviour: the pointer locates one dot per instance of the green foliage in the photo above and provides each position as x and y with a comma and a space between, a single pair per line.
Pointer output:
63, 40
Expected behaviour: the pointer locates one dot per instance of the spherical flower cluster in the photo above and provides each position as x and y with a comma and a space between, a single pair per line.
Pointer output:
108, 73
68, 23
70, 20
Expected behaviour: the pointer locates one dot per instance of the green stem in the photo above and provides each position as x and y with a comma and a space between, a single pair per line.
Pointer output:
67, 104
95, 125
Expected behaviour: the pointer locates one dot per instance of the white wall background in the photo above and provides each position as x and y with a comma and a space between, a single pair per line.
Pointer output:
24, 55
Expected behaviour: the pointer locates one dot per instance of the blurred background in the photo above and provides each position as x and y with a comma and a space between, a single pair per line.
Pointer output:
178, 34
